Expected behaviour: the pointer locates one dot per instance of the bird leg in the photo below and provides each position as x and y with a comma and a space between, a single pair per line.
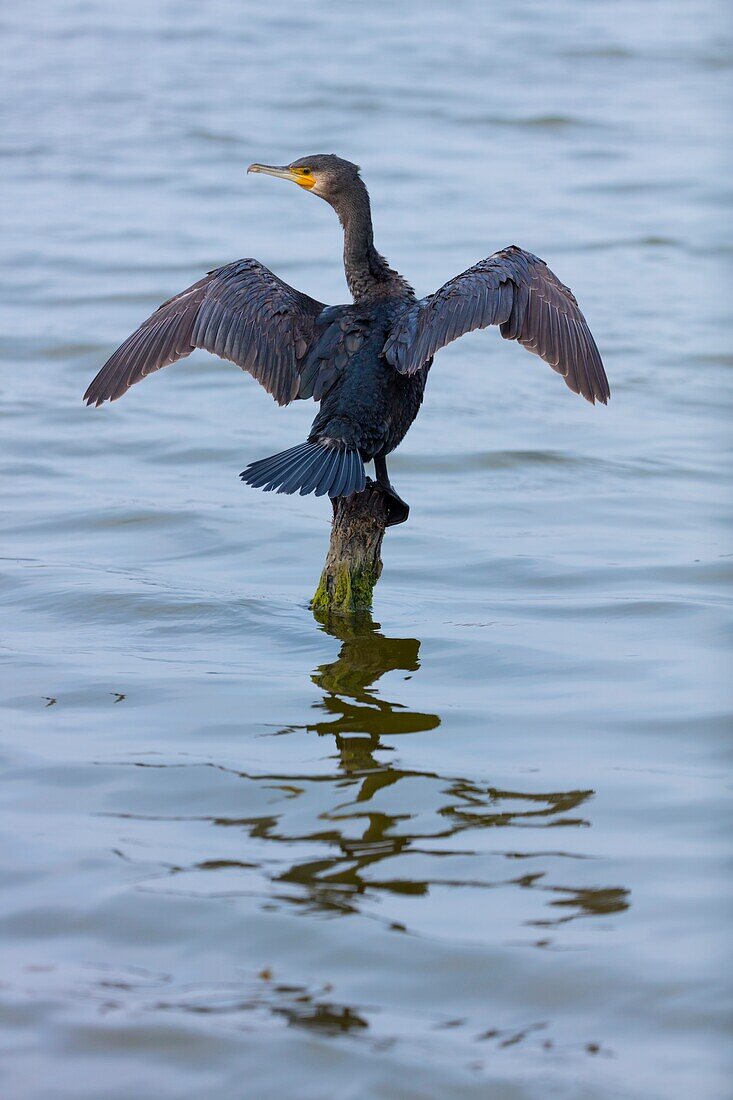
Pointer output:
397, 509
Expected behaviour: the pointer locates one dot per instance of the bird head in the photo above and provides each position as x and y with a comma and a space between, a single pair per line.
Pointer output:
325, 174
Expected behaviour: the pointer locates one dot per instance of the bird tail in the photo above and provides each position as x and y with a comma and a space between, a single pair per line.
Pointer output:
309, 468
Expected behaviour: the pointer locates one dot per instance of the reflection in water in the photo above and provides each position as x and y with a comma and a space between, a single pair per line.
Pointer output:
115, 988
365, 656
359, 719
372, 830
394, 844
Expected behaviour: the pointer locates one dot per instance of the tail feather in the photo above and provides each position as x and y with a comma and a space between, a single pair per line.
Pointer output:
328, 473
341, 477
262, 473
311, 477
299, 474
309, 468
345, 474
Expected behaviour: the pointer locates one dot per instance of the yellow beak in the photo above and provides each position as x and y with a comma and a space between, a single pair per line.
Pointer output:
284, 173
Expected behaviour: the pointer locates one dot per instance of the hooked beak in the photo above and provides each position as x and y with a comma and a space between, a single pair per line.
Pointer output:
283, 173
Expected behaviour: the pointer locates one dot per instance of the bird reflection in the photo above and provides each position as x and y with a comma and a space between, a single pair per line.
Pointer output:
362, 833
367, 836
366, 829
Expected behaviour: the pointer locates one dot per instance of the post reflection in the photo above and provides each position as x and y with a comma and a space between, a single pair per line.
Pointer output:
356, 716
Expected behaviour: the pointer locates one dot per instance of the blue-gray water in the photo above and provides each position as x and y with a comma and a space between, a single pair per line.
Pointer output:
478, 850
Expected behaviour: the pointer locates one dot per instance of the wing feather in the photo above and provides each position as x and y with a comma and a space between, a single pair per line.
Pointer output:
241, 312
518, 292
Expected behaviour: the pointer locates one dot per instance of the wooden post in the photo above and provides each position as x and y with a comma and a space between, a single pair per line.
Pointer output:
353, 564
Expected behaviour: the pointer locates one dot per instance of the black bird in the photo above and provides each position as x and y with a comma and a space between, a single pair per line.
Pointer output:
365, 363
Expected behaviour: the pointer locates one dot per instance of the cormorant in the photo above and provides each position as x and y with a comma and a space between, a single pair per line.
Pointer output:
365, 363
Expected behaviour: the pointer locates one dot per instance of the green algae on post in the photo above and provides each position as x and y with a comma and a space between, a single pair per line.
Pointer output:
353, 563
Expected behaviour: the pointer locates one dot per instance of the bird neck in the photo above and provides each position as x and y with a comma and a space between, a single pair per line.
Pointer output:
367, 273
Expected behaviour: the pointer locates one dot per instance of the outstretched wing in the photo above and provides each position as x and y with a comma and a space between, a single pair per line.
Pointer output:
241, 312
518, 292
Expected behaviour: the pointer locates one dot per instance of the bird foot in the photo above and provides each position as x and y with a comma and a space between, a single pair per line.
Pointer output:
397, 509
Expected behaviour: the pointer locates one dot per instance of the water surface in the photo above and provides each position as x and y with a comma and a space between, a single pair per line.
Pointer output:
476, 846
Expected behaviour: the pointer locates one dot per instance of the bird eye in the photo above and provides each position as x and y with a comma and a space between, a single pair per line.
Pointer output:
304, 171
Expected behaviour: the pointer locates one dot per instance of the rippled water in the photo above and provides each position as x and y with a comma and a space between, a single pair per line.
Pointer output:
476, 850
